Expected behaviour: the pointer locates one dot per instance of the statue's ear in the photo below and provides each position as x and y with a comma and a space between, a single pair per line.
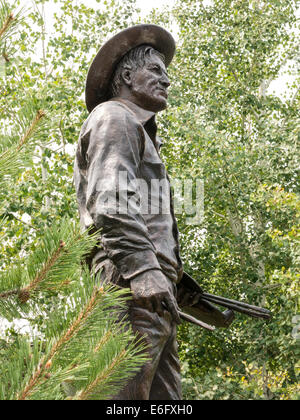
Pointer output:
126, 76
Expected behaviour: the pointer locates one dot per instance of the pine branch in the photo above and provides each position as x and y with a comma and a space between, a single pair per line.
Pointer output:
39, 115
54, 266
46, 362
103, 341
123, 355
24, 294
9, 293
8, 20
102, 377
6, 24
16, 152
5, 56
92, 357
90, 306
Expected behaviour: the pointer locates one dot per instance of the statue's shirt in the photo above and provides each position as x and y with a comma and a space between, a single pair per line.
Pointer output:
123, 189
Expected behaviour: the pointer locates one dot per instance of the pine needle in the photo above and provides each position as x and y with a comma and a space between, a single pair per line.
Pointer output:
6, 24
9, 20
40, 114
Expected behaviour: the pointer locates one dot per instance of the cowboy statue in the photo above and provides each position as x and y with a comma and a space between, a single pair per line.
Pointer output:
116, 169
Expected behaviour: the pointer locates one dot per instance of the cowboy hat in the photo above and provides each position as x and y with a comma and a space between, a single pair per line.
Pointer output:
104, 64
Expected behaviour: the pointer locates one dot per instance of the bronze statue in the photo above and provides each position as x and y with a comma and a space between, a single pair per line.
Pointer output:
116, 164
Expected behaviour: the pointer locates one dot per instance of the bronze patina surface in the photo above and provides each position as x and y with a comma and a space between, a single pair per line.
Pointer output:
138, 247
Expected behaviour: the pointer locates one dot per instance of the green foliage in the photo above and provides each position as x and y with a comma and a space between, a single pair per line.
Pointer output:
85, 354
225, 127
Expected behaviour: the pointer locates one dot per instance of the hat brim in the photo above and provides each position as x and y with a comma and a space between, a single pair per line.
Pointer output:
104, 64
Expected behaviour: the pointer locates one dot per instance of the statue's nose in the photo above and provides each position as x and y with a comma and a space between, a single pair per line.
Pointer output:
165, 81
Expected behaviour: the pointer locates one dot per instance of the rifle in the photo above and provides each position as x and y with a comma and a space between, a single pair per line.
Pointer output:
205, 314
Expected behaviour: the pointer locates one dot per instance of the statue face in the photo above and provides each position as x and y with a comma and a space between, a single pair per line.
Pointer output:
148, 85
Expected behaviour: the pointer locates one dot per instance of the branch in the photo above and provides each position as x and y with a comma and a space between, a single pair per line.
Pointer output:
4, 295
5, 56
103, 341
22, 221
46, 361
102, 377
62, 135
39, 115
6, 24
24, 293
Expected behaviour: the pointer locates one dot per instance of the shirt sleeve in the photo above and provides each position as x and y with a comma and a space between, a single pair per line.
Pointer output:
116, 142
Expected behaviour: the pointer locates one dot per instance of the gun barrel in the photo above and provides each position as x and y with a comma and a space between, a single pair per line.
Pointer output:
245, 308
190, 285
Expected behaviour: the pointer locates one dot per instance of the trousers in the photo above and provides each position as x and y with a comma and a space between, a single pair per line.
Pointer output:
159, 378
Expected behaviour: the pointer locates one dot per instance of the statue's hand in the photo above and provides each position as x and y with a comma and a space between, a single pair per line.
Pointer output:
154, 291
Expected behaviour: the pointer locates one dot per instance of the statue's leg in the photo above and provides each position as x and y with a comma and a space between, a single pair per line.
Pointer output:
160, 377
166, 384
156, 331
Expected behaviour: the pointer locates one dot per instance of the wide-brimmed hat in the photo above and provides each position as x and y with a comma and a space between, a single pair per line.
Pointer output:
102, 68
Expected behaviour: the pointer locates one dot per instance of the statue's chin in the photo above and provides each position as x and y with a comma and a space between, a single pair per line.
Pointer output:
156, 105
150, 103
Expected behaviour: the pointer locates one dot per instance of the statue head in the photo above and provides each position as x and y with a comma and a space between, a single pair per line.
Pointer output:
132, 64
141, 77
